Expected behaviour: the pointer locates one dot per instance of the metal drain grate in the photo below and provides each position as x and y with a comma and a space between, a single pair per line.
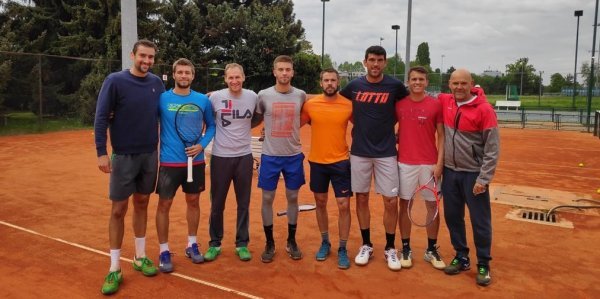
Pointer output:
538, 216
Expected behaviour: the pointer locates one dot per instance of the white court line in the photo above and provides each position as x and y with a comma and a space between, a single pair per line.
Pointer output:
192, 279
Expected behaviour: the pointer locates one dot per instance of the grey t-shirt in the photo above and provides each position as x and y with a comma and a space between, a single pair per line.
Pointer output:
233, 116
282, 120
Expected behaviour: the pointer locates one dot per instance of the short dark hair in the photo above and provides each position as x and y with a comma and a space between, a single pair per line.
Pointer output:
283, 58
329, 70
145, 43
418, 69
377, 50
183, 61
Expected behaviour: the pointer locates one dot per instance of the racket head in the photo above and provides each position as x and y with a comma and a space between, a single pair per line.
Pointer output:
189, 123
423, 206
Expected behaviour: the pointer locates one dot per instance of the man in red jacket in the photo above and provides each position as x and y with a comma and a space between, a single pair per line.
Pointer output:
471, 151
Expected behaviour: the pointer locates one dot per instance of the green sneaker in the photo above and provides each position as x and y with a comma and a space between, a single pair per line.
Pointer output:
112, 282
243, 253
145, 265
483, 275
457, 265
212, 253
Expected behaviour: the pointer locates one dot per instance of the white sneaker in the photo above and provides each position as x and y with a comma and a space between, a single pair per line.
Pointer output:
365, 253
406, 258
433, 256
391, 256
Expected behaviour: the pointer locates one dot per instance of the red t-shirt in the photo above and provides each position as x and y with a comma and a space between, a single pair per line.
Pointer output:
417, 123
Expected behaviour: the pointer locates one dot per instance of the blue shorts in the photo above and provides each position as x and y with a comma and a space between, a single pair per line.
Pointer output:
337, 173
292, 168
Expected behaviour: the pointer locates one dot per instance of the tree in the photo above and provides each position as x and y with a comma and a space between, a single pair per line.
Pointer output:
522, 71
422, 58
557, 82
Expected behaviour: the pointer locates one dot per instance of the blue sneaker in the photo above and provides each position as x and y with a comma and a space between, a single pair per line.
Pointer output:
194, 254
343, 260
323, 251
164, 262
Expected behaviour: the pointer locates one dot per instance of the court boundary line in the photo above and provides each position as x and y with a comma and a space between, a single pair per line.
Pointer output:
188, 278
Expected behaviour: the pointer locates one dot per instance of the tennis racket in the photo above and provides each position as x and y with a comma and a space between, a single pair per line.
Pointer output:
423, 206
301, 208
189, 124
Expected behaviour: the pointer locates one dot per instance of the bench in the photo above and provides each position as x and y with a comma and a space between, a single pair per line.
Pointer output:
256, 145
508, 104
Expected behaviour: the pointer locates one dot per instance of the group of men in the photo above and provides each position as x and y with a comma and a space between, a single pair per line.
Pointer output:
454, 136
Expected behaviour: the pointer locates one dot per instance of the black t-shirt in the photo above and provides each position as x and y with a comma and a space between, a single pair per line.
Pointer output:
373, 110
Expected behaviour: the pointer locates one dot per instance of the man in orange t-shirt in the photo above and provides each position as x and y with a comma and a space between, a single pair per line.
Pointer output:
328, 115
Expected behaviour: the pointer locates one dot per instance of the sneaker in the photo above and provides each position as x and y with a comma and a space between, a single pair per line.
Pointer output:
406, 258
343, 260
212, 253
112, 282
193, 252
293, 250
365, 253
323, 251
433, 256
243, 253
483, 275
164, 262
457, 265
391, 256
269, 253
145, 265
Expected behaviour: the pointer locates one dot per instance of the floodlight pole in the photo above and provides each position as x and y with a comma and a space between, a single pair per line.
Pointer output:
396, 28
578, 13
323, 36
540, 94
591, 83
129, 34
407, 56
380, 40
442, 72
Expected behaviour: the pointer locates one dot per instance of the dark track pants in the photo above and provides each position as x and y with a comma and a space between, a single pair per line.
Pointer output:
224, 170
457, 188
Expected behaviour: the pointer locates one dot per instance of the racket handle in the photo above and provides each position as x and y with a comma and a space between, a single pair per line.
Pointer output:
190, 178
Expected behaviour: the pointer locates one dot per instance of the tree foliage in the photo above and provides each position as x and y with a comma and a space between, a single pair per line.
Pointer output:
422, 58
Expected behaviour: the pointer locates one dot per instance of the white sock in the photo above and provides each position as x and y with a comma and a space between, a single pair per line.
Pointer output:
191, 240
140, 247
163, 247
115, 255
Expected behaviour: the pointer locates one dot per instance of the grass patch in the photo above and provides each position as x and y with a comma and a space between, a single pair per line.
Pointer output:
15, 123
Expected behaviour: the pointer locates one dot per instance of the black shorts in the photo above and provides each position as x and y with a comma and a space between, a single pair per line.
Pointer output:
337, 173
132, 173
170, 178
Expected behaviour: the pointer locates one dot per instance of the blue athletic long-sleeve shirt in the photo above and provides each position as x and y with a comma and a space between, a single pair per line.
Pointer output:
172, 149
134, 102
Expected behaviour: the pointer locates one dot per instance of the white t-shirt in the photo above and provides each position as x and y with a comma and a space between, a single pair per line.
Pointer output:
232, 117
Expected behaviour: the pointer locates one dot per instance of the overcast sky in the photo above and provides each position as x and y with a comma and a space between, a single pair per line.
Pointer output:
478, 35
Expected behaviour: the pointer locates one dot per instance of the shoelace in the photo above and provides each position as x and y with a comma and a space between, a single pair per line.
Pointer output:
393, 256
112, 276
364, 250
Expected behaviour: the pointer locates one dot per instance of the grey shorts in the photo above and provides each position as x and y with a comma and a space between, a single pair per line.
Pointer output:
132, 173
170, 178
384, 170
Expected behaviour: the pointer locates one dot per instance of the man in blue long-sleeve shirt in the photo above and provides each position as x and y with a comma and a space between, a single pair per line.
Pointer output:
128, 107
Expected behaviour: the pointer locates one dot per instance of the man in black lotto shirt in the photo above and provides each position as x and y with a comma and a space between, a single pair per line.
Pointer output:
373, 151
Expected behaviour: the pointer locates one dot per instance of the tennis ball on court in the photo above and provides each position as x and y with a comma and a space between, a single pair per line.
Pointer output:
581, 164
598, 191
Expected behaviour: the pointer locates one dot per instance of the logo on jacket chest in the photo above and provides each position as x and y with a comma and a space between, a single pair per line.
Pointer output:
229, 113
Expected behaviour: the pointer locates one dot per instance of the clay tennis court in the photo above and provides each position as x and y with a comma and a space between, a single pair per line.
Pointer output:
54, 216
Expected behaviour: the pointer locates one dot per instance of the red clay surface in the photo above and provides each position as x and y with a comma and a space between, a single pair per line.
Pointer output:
50, 184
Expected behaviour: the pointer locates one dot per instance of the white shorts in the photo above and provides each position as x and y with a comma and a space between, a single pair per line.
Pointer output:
412, 176
383, 169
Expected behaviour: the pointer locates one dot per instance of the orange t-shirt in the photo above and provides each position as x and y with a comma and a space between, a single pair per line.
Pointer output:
329, 122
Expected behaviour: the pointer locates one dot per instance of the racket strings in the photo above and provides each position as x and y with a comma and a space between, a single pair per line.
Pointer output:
422, 208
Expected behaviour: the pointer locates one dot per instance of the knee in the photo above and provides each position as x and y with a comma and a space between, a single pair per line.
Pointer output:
164, 206
391, 202
344, 207
321, 203
119, 210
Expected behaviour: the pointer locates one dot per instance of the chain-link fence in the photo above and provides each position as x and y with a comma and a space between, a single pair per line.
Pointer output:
47, 92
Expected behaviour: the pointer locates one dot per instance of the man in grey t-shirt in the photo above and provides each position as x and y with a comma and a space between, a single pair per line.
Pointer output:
280, 107
231, 160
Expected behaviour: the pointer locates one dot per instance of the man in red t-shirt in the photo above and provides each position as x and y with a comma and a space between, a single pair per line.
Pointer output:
420, 156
